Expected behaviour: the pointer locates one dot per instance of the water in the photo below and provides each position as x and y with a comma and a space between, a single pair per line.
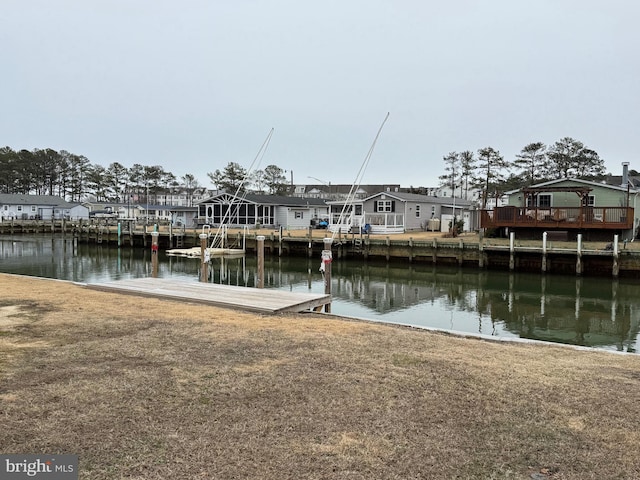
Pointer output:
595, 312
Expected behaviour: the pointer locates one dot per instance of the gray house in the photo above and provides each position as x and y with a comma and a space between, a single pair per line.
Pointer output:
270, 211
39, 207
399, 212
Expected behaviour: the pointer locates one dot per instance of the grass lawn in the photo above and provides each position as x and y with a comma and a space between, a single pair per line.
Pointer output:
143, 388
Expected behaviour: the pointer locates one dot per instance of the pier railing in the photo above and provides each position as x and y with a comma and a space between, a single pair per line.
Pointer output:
614, 218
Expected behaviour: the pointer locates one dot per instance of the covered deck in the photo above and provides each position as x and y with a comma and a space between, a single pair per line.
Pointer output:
564, 218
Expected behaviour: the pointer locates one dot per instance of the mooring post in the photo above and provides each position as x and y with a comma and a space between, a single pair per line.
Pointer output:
280, 242
481, 249
579, 256
435, 250
204, 257
119, 233
461, 255
310, 248
544, 252
260, 251
326, 269
616, 266
512, 253
410, 249
154, 254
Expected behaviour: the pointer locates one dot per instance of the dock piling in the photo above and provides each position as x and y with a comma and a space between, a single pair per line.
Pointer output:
204, 258
544, 252
154, 254
260, 252
512, 253
579, 255
326, 268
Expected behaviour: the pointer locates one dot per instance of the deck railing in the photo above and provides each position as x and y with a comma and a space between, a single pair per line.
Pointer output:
559, 217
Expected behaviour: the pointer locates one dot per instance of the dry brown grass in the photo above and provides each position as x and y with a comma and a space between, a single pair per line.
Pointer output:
144, 388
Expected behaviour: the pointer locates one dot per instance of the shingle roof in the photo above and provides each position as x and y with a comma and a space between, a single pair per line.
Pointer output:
20, 199
274, 200
416, 197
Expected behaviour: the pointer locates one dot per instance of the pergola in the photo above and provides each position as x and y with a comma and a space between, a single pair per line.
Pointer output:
533, 192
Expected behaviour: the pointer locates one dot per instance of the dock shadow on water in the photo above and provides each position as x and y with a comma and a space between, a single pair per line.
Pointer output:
593, 312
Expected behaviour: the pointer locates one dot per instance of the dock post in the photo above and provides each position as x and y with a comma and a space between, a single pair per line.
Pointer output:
260, 251
579, 256
480, 249
461, 256
280, 242
204, 258
310, 248
512, 252
544, 252
388, 254
154, 254
410, 249
435, 250
119, 233
616, 266
326, 270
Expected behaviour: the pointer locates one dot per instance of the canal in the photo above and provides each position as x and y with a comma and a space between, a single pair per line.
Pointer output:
594, 312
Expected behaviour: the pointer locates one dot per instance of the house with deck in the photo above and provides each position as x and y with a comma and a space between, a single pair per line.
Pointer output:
271, 211
39, 207
568, 207
399, 212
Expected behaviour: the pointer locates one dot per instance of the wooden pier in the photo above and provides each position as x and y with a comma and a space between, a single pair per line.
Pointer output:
244, 298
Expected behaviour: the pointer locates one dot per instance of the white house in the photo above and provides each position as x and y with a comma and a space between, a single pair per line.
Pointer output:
398, 212
39, 207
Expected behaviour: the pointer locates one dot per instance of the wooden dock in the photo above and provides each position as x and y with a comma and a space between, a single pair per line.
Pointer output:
244, 298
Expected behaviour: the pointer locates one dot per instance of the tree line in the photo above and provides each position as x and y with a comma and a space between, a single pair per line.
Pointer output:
493, 175
74, 178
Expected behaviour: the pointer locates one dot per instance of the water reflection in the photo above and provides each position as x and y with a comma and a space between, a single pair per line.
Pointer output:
594, 312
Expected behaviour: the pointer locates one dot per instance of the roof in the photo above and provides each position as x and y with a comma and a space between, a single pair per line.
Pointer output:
271, 200
418, 198
20, 199
346, 188
554, 183
183, 209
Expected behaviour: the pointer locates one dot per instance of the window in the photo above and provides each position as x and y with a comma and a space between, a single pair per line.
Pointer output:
544, 201
19, 208
417, 211
384, 206
33, 208
591, 201
297, 215
433, 211
6, 207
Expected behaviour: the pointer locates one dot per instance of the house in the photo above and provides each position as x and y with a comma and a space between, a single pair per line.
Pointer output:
117, 210
39, 207
597, 210
399, 212
184, 216
270, 211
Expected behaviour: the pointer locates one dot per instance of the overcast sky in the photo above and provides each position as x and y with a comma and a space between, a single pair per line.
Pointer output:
195, 84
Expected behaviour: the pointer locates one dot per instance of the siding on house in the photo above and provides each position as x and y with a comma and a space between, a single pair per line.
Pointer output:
43, 207
407, 204
283, 209
604, 196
